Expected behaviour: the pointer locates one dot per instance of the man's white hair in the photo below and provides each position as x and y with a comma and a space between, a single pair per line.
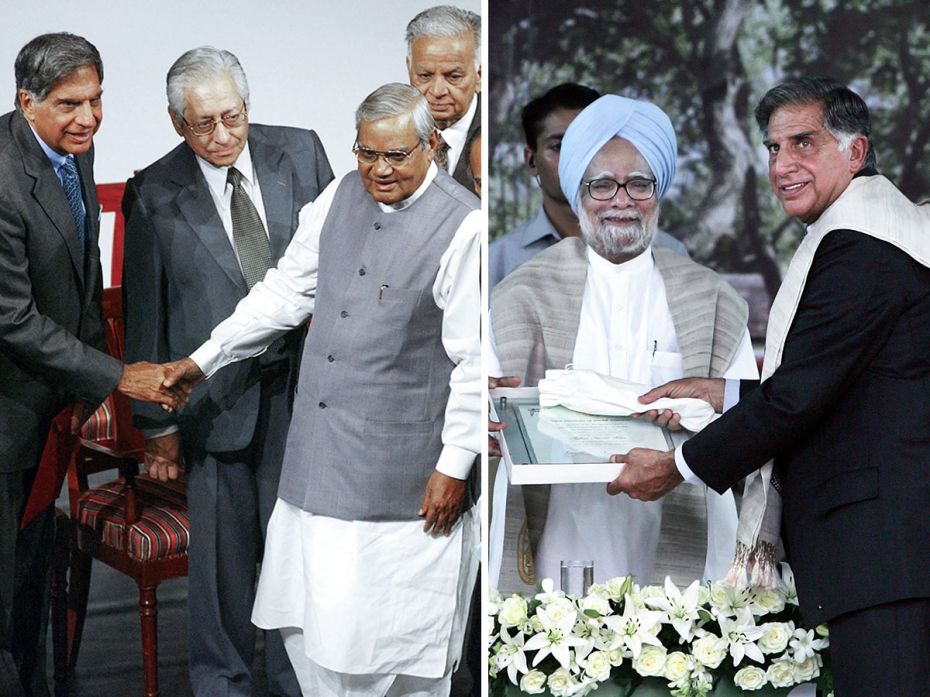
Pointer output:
445, 20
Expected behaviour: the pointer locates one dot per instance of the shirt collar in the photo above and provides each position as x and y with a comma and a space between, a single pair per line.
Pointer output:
539, 228
57, 159
639, 264
456, 134
409, 201
216, 176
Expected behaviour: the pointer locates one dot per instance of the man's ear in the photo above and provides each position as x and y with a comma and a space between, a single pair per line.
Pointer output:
858, 151
529, 159
178, 126
27, 104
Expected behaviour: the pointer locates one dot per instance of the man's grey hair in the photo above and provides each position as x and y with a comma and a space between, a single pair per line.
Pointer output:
47, 59
397, 99
444, 20
198, 66
845, 114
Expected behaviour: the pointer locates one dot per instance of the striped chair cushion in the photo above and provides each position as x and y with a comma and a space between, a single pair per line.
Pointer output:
99, 426
162, 531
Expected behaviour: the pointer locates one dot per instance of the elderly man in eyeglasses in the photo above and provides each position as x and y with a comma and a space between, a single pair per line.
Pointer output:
370, 557
612, 302
203, 224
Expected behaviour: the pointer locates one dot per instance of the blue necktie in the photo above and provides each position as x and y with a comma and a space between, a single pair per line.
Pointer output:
71, 183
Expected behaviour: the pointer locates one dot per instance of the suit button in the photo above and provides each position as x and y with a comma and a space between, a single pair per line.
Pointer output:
343, 314
377, 226
330, 358
322, 405
361, 271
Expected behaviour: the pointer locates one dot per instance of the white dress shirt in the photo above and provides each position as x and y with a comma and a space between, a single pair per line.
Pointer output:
456, 134
625, 330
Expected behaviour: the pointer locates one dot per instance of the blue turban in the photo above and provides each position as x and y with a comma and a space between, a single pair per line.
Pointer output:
644, 124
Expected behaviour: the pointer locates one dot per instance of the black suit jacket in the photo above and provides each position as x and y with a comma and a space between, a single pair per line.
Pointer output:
462, 173
181, 277
51, 333
845, 419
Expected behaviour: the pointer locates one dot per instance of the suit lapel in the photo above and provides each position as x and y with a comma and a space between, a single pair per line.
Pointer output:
274, 178
47, 190
198, 210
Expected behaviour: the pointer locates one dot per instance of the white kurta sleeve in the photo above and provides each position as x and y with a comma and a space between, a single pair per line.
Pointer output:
280, 302
457, 292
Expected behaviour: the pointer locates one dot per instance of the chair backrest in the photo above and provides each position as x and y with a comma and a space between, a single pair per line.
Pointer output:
110, 197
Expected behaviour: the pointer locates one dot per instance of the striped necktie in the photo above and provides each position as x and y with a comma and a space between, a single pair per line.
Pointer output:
71, 183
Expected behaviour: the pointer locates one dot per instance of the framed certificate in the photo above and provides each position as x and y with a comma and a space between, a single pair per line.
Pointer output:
549, 445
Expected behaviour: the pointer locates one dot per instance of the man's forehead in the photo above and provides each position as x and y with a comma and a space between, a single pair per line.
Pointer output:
391, 127
215, 95
457, 48
794, 119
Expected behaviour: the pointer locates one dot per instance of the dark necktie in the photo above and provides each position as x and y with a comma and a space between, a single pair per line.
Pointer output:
441, 158
71, 183
248, 232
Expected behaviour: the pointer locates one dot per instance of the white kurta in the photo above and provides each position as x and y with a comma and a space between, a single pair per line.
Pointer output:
370, 597
625, 330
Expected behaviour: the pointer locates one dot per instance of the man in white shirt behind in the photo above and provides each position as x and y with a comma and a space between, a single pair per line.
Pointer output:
386, 426
613, 303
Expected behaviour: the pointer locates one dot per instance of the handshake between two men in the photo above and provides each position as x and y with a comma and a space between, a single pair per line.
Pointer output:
168, 384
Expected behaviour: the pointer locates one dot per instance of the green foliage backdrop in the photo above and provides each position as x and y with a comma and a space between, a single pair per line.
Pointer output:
707, 63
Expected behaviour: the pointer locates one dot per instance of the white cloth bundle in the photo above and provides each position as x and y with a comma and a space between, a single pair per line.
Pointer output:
593, 393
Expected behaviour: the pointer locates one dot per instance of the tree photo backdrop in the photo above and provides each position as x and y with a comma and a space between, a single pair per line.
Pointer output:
707, 63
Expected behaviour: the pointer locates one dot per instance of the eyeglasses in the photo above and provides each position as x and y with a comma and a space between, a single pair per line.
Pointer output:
395, 158
206, 127
605, 189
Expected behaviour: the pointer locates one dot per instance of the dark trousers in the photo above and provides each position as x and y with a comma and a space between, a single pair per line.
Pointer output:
230, 497
882, 650
24, 578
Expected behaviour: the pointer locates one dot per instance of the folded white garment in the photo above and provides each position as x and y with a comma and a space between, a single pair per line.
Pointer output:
593, 393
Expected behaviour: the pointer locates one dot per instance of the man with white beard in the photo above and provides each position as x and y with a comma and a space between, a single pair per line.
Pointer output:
612, 303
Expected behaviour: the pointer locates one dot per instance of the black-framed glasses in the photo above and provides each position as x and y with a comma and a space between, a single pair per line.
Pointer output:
395, 158
207, 126
638, 188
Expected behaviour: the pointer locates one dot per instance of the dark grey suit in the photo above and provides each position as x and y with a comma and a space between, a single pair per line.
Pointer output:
462, 173
181, 278
51, 353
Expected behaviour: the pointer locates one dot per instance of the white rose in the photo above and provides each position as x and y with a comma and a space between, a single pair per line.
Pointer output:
709, 650
561, 683
595, 602
775, 636
598, 666
767, 601
513, 611
781, 673
749, 678
718, 595
677, 667
617, 588
535, 626
533, 683
648, 592
703, 595
651, 660
616, 656
494, 601
808, 669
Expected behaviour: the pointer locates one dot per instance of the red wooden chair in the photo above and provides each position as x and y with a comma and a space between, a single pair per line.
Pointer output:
134, 524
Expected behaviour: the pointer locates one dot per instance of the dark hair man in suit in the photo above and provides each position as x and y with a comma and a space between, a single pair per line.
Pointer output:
51, 333
835, 440
203, 224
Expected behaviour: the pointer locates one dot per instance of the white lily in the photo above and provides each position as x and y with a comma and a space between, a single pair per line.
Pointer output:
556, 637
787, 581
804, 645
681, 608
549, 592
512, 655
635, 628
741, 634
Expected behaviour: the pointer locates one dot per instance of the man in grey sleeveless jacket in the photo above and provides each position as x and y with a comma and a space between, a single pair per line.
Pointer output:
386, 423
612, 303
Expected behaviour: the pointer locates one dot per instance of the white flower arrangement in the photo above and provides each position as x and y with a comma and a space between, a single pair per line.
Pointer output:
621, 633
